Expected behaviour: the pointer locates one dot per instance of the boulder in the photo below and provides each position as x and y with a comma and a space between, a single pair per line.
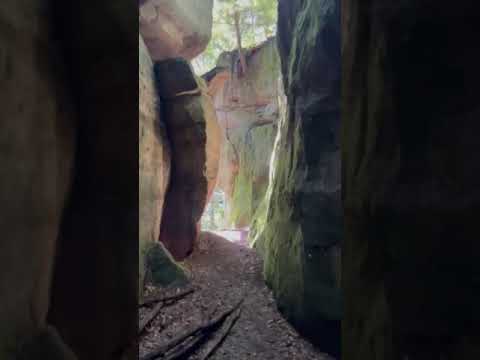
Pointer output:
410, 180
176, 28
303, 228
160, 268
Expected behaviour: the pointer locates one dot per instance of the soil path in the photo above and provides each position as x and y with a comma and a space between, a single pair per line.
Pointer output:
222, 273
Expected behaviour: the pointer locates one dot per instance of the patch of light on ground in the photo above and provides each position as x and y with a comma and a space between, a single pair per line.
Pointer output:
239, 236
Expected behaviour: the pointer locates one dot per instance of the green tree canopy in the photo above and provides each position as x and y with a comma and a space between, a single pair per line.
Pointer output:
257, 22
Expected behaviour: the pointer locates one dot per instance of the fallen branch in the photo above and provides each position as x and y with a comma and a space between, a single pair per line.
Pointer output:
227, 328
205, 328
149, 317
163, 298
161, 303
186, 349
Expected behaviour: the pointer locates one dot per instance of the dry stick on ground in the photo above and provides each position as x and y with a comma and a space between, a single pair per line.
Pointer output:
160, 352
227, 328
162, 300
150, 316
186, 348
158, 298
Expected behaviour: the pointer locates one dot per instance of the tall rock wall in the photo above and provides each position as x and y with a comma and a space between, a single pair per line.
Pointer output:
247, 110
37, 151
302, 233
94, 266
410, 174
155, 263
69, 200
194, 138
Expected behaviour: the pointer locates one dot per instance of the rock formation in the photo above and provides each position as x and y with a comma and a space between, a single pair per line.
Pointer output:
69, 189
94, 268
410, 174
37, 143
247, 111
154, 176
69, 184
302, 229
194, 138
175, 32
176, 28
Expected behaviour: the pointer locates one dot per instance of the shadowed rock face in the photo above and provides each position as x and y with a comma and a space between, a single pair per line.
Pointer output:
36, 156
94, 267
176, 28
69, 185
410, 174
194, 139
302, 234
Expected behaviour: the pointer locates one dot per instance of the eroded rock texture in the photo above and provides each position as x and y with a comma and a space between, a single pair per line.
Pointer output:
411, 196
194, 138
302, 232
247, 111
155, 263
176, 28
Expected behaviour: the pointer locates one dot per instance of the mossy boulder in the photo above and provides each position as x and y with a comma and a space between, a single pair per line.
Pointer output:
161, 269
302, 231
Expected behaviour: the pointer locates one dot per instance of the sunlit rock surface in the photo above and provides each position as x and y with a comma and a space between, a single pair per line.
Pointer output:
247, 110
176, 28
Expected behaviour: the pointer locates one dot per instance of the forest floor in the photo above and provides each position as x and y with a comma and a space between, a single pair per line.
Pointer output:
222, 273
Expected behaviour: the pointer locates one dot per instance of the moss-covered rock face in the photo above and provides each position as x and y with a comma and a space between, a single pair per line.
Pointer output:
251, 180
247, 109
160, 268
410, 180
302, 227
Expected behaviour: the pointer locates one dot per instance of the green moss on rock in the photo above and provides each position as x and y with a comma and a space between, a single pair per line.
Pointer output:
161, 269
298, 230
252, 179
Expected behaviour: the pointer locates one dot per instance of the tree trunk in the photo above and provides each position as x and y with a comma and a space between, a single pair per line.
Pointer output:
243, 62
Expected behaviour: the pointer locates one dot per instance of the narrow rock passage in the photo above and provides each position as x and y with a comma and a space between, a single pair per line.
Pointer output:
222, 273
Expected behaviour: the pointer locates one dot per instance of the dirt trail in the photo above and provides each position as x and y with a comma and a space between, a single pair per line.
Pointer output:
223, 272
